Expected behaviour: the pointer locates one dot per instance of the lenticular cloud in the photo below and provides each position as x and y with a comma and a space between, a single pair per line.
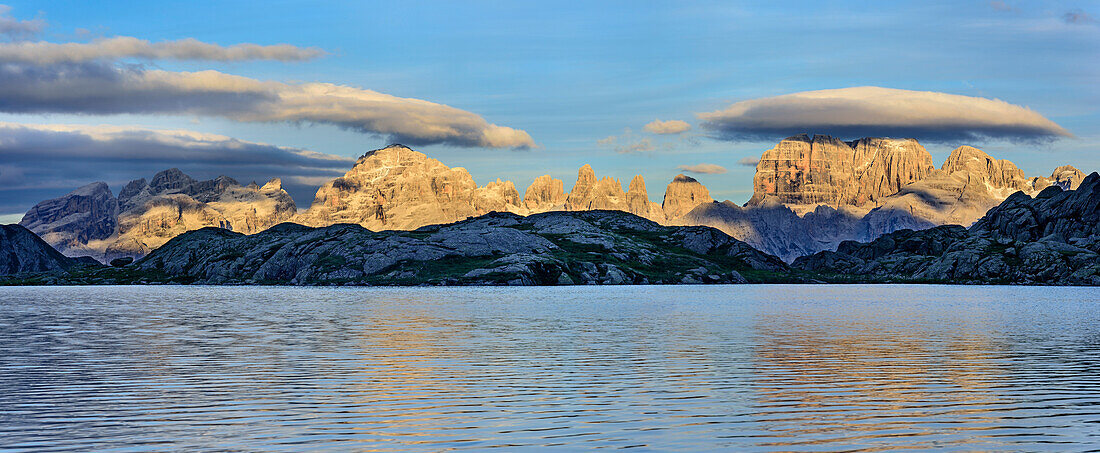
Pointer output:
876, 111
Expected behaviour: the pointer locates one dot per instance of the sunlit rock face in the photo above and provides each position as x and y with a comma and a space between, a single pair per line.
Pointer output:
1051, 238
396, 188
545, 194
1067, 177
969, 184
873, 186
590, 193
976, 164
682, 195
90, 221
801, 170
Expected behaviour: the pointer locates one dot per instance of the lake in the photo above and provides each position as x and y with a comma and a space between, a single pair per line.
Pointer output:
756, 368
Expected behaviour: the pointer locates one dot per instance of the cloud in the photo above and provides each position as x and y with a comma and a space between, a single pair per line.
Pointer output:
606, 140
667, 127
44, 53
1001, 6
19, 29
640, 146
875, 111
41, 161
749, 161
707, 169
100, 88
1078, 17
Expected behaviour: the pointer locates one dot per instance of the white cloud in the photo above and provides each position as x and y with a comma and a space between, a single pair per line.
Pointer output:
44, 53
876, 111
640, 146
707, 169
667, 127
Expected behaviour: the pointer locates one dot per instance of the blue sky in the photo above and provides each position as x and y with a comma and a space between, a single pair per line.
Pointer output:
573, 73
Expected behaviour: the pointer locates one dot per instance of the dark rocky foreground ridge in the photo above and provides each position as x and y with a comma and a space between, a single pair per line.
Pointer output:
1053, 238
554, 248
21, 252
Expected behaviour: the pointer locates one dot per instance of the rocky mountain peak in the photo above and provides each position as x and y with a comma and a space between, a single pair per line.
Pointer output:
1067, 177
395, 149
170, 180
682, 195
975, 163
83, 215
398, 188
544, 194
274, 185
827, 170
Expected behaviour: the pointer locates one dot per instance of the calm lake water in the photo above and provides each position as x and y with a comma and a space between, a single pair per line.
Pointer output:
774, 367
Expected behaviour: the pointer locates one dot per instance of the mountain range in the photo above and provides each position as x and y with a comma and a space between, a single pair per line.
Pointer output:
810, 195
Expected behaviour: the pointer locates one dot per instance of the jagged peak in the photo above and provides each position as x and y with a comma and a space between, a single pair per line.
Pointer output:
684, 179
394, 148
967, 151
825, 138
803, 137
274, 184
90, 189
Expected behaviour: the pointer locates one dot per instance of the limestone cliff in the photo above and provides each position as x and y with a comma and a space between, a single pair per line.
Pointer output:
1053, 238
396, 188
544, 194
802, 170
682, 195
70, 222
91, 221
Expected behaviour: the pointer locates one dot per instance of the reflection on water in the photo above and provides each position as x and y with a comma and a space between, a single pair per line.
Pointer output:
790, 368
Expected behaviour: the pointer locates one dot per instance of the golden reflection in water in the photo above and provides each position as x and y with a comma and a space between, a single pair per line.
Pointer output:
822, 380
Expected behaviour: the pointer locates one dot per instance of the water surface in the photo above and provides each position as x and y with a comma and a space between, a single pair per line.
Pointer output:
764, 368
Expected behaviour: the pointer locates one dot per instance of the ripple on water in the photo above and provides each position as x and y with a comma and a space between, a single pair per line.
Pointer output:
791, 368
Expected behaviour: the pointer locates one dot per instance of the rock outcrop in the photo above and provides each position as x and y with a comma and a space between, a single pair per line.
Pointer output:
554, 248
682, 195
1067, 177
396, 188
1053, 238
968, 185
85, 215
779, 230
21, 252
973, 163
801, 170
91, 221
545, 194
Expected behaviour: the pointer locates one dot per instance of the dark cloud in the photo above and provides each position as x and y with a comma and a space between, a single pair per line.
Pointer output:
114, 48
99, 88
749, 161
1078, 17
44, 161
880, 112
